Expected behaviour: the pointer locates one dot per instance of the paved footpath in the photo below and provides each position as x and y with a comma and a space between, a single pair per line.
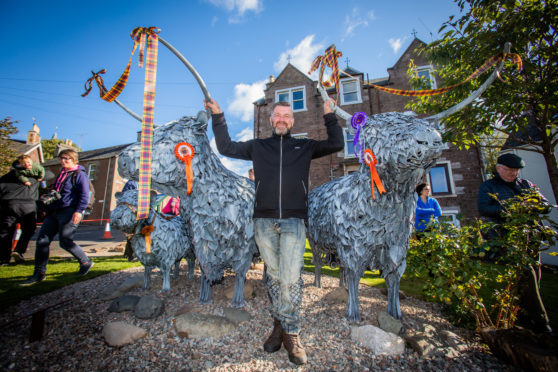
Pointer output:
90, 238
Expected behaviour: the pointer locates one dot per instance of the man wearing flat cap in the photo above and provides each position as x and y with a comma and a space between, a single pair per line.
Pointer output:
506, 184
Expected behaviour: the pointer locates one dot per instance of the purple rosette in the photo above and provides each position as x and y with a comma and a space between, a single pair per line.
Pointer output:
358, 121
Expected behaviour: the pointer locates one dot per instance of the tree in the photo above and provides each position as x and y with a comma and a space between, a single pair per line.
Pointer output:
7, 155
49, 147
529, 96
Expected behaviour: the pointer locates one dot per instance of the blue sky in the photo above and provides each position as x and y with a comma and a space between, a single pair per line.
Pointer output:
50, 48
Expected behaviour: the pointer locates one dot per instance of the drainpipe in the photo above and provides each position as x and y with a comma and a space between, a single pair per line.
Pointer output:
369, 94
105, 195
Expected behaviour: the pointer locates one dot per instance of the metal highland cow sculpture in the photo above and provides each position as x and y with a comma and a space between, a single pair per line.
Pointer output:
215, 203
158, 241
217, 210
364, 228
344, 218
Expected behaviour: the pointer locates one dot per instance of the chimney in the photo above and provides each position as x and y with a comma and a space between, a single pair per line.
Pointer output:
271, 79
33, 135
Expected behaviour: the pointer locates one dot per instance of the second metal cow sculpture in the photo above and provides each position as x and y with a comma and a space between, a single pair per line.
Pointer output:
345, 220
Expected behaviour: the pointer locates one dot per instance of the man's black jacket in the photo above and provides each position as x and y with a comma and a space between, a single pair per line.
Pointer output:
14, 192
281, 166
490, 207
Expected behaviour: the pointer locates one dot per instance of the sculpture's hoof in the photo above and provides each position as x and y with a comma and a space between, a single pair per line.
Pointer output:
353, 318
238, 305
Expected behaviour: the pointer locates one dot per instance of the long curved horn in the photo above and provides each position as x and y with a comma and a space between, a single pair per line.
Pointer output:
123, 107
187, 64
476, 94
338, 110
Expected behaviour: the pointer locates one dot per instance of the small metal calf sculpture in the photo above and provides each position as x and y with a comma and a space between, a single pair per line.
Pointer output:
218, 211
345, 220
169, 238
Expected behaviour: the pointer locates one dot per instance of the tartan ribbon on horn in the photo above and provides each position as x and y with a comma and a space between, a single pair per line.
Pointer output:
148, 38
329, 59
142, 36
99, 80
430, 92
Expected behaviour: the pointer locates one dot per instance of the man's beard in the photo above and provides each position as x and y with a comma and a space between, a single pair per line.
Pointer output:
283, 131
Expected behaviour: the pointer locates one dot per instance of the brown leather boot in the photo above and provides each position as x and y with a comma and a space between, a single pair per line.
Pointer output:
274, 341
297, 355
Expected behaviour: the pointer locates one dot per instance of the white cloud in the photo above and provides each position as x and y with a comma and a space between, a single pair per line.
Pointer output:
237, 166
396, 44
245, 134
239, 7
214, 21
300, 56
244, 97
357, 19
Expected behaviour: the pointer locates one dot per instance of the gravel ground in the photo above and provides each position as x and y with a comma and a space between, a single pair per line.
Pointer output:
73, 339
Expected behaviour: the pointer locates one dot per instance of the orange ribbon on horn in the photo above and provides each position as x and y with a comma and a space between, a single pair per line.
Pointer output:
371, 161
146, 232
185, 152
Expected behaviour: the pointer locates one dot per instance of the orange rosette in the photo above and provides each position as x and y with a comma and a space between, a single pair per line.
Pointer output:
146, 232
185, 152
370, 160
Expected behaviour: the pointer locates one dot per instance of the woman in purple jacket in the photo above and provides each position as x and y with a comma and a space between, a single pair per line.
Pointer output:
69, 198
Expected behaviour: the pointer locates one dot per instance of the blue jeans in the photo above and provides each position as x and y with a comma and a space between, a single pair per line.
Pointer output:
58, 222
281, 243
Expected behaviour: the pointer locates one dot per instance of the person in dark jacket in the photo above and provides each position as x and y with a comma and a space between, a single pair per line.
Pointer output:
281, 168
64, 215
17, 205
506, 184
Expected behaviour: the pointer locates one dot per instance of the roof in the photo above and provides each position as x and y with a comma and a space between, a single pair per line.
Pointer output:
97, 154
413, 45
349, 72
378, 81
530, 135
22, 148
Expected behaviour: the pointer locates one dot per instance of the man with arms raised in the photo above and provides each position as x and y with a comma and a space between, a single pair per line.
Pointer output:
281, 168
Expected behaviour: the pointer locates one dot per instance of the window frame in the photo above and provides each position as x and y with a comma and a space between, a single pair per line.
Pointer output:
345, 148
299, 135
342, 91
89, 169
430, 70
452, 213
290, 92
449, 179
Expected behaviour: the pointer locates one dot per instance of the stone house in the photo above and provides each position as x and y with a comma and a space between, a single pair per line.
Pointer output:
455, 178
102, 168
31, 146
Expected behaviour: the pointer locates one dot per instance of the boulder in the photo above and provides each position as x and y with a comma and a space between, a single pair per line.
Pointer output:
198, 325
339, 296
236, 315
124, 303
249, 289
389, 323
377, 340
120, 333
149, 307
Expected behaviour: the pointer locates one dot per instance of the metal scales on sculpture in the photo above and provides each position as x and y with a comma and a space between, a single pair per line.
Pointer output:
215, 206
351, 223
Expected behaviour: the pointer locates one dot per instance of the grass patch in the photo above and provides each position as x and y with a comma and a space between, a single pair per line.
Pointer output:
409, 284
61, 271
